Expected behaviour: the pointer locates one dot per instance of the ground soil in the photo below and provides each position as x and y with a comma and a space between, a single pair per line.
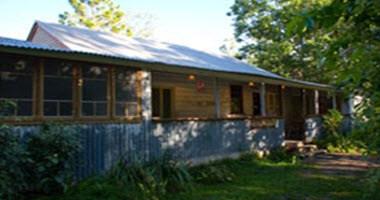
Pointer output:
341, 164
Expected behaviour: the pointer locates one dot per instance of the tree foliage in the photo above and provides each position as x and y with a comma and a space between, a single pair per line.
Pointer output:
352, 54
260, 27
105, 15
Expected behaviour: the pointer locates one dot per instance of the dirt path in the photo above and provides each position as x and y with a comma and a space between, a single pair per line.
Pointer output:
341, 164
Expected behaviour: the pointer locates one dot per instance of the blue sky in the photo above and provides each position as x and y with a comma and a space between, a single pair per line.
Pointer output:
198, 23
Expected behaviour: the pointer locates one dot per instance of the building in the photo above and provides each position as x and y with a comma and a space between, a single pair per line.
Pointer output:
136, 96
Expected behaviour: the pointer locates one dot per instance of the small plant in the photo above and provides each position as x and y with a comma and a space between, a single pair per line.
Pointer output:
6, 107
213, 173
332, 122
281, 155
154, 179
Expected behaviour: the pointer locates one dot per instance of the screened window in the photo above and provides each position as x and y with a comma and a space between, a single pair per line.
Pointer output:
310, 102
236, 99
256, 104
94, 91
162, 103
16, 85
126, 97
58, 88
273, 100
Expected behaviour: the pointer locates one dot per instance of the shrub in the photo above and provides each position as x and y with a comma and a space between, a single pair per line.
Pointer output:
335, 142
52, 152
41, 164
13, 175
332, 122
154, 179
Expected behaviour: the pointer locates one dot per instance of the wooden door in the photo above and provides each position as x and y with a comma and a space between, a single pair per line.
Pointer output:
293, 114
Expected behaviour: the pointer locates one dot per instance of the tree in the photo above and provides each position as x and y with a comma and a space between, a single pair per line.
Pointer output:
105, 15
260, 27
353, 53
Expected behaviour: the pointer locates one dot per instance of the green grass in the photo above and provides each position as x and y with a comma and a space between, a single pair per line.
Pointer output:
254, 180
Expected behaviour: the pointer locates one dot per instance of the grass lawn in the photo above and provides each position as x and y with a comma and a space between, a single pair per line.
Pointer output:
254, 180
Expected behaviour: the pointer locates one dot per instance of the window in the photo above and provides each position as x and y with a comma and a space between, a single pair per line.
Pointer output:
310, 102
94, 91
126, 97
58, 88
162, 103
256, 104
156, 102
236, 99
16, 85
273, 100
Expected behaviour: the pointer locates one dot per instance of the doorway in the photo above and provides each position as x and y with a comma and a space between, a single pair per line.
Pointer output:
293, 114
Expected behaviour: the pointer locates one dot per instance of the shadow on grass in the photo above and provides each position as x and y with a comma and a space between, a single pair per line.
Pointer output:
267, 180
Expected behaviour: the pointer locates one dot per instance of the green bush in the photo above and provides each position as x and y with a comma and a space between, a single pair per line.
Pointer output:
42, 164
154, 179
52, 152
334, 141
14, 158
332, 122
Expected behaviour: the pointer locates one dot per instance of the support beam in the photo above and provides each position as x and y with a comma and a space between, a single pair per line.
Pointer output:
216, 91
304, 106
146, 109
262, 99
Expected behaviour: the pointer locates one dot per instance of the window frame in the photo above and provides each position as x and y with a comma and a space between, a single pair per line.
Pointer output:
41, 77
108, 114
274, 93
138, 90
35, 67
161, 103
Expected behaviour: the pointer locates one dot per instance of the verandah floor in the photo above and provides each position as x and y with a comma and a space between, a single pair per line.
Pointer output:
323, 177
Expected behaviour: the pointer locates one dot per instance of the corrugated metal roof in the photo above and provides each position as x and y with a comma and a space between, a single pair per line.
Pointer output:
86, 41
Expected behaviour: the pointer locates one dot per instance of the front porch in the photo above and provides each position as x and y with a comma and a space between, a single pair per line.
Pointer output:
179, 97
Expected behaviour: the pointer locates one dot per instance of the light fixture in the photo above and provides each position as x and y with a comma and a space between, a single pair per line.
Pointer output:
283, 86
251, 84
191, 77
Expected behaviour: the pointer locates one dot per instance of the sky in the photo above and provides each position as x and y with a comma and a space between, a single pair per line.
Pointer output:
201, 24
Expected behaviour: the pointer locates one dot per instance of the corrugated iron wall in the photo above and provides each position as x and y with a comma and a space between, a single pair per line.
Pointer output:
105, 144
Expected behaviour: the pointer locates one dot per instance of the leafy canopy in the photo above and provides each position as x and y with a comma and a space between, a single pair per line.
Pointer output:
352, 54
260, 27
97, 15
